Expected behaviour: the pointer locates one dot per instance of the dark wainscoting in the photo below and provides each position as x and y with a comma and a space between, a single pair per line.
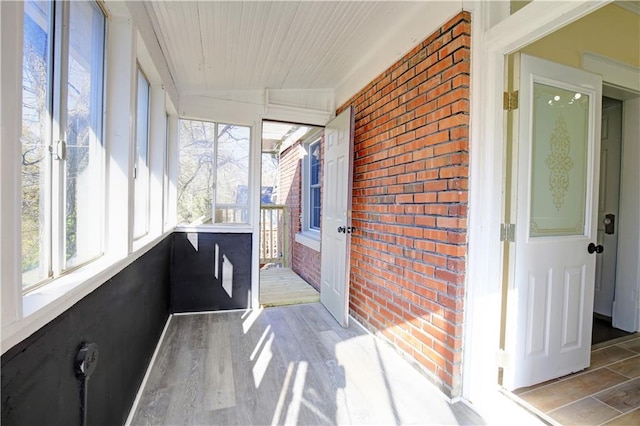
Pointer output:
124, 317
210, 272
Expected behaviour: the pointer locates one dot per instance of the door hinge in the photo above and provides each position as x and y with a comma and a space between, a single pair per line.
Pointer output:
510, 101
508, 232
502, 358
58, 150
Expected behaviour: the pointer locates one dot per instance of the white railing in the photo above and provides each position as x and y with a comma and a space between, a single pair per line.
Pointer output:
274, 220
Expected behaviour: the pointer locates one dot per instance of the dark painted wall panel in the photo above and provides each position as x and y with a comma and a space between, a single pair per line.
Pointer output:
125, 317
210, 272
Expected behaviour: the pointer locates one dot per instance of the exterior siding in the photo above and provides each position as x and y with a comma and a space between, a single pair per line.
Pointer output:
304, 261
410, 187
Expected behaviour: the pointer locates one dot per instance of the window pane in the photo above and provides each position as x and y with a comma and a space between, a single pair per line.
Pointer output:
141, 195
83, 167
195, 174
232, 172
35, 136
314, 161
315, 208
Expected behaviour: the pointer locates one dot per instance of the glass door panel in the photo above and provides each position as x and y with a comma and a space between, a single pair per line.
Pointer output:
559, 161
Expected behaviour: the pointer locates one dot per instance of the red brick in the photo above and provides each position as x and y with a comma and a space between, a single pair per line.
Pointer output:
410, 192
453, 121
454, 95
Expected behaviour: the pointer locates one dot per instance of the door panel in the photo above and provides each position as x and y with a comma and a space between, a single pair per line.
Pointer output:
556, 184
538, 313
574, 290
336, 216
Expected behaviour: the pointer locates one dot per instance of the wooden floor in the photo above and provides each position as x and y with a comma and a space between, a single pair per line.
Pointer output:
282, 286
608, 392
292, 365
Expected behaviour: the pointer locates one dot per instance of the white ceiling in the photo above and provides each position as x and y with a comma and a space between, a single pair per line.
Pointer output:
216, 46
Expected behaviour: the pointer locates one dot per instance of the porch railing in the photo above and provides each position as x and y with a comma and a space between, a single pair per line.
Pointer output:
274, 220
232, 213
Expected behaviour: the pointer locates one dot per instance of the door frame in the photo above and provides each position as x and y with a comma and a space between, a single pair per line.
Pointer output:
487, 171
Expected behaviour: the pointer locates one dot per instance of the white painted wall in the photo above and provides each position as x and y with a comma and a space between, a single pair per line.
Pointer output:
142, 22
626, 309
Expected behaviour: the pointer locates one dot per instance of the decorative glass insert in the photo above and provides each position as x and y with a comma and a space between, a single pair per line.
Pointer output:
560, 131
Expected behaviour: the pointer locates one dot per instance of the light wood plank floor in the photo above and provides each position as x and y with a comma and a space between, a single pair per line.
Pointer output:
282, 286
607, 393
292, 365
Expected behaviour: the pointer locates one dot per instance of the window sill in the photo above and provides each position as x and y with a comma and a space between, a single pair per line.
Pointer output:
44, 304
220, 228
309, 239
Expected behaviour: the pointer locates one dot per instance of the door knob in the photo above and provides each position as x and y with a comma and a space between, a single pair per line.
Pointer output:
351, 229
341, 229
595, 248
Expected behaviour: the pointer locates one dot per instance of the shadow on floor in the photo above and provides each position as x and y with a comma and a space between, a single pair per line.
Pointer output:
286, 365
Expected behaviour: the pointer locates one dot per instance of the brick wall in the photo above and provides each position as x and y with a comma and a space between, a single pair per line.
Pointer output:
304, 261
410, 183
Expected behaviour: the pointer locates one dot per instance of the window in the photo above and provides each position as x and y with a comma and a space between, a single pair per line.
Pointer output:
141, 166
165, 174
313, 193
62, 153
213, 177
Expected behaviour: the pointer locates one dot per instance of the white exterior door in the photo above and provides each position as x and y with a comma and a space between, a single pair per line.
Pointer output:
551, 296
336, 215
609, 198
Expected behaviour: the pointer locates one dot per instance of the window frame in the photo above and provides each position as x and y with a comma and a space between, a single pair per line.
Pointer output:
307, 187
137, 178
25, 313
56, 138
213, 226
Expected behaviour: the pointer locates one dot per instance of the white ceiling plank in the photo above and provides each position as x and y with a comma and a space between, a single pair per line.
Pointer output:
216, 46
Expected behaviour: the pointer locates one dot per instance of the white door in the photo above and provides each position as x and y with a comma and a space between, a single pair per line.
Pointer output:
556, 214
336, 215
609, 198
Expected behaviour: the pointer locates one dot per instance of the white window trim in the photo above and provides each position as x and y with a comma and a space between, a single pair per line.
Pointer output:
218, 227
54, 244
307, 188
23, 315
309, 239
136, 174
305, 210
156, 145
